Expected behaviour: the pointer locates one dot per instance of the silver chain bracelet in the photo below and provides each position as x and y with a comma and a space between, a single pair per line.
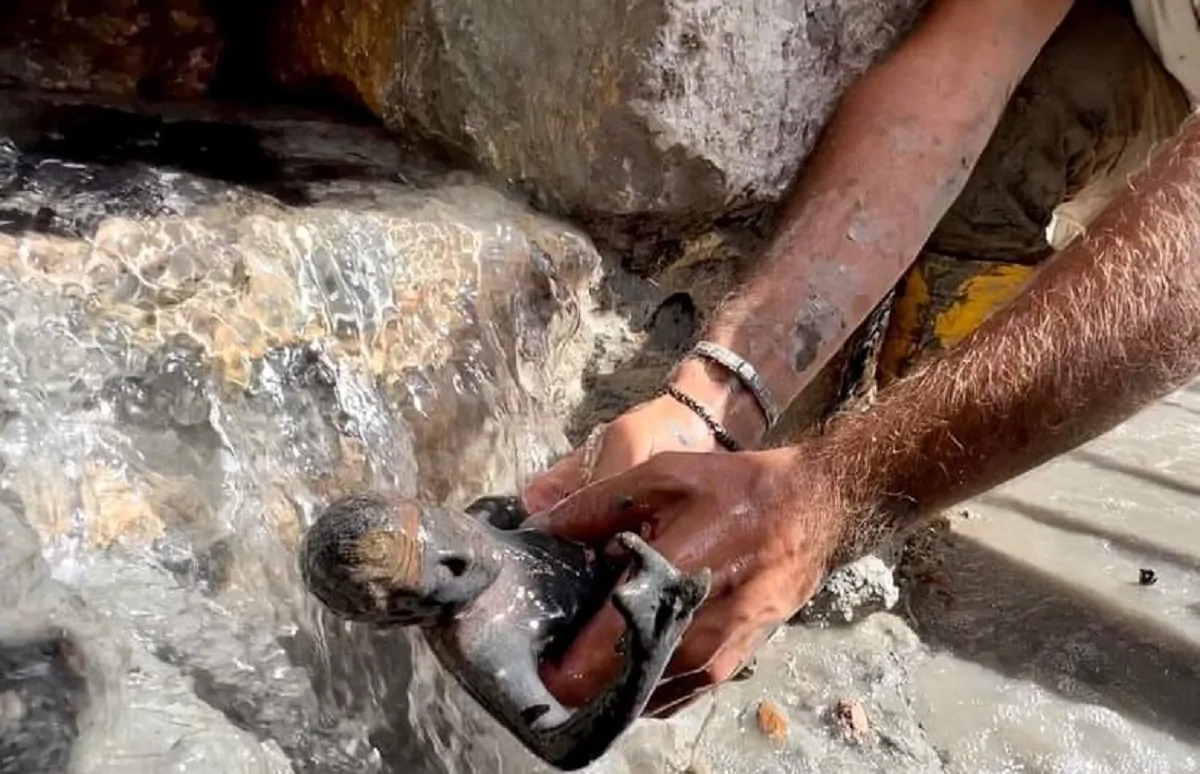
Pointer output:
746, 374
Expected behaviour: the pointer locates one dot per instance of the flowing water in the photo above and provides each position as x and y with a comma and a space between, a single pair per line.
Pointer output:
190, 368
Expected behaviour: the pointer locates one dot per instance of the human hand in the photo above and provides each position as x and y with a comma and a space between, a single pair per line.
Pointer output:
656, 426
766, 526
653, 427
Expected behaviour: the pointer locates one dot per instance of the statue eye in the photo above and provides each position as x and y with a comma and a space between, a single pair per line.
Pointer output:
457, 565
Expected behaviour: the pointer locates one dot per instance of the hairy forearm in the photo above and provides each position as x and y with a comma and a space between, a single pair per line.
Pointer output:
895, 155
1107, 327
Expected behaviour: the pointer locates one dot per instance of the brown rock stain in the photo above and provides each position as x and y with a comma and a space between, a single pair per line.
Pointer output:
107, 505
350, 45
280, 513
115, 509
352, 473
238, 301
48, 499
393, 557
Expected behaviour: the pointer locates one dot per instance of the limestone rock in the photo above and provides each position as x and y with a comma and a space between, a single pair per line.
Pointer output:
125, 48
641, 110
855, 590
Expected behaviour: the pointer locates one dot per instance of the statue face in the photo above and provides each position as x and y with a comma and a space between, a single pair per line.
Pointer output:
390, 561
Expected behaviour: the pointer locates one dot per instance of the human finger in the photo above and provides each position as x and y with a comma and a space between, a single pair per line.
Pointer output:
556, 484
658, 710
590, 662
612, 505
714, 652
569, 474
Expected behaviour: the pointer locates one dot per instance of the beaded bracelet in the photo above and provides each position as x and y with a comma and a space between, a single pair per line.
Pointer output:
716, 428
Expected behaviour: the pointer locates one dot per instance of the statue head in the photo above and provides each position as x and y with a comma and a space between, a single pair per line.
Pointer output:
391, 561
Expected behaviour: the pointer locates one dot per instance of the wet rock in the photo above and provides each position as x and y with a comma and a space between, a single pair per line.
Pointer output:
855, 590
190, 367
802, 673
42, 693
122, 48
772, 721
852, 718
647, 113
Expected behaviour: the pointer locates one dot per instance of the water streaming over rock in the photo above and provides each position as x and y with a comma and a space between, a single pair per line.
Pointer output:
187, 370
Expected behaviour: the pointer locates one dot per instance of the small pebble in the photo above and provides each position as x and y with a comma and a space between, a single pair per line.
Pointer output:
771, 721
1147, 577
852, 718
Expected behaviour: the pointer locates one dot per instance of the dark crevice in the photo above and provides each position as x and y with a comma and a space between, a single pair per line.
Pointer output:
244, 73
43, 692
228, 152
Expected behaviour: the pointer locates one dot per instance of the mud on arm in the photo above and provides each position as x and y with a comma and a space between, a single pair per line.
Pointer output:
894, 157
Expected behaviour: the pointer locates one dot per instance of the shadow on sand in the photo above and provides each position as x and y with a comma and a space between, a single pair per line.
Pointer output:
1026, 624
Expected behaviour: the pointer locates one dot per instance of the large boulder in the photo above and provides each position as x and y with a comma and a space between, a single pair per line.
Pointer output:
189, 368
637, 112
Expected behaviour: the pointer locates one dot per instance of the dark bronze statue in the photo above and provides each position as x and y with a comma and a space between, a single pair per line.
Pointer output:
493, 599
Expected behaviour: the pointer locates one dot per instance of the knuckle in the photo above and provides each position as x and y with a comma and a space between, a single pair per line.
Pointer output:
666, 466
692, 660
725, 665
720, 671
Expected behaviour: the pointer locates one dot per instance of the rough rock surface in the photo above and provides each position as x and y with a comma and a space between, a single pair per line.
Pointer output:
124, 48
804, 674
855, 590
643, 110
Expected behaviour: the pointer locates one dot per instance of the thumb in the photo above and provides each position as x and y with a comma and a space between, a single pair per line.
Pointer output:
550, 487
617, 504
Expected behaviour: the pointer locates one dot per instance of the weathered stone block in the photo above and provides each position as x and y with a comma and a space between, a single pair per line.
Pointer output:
614, 108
